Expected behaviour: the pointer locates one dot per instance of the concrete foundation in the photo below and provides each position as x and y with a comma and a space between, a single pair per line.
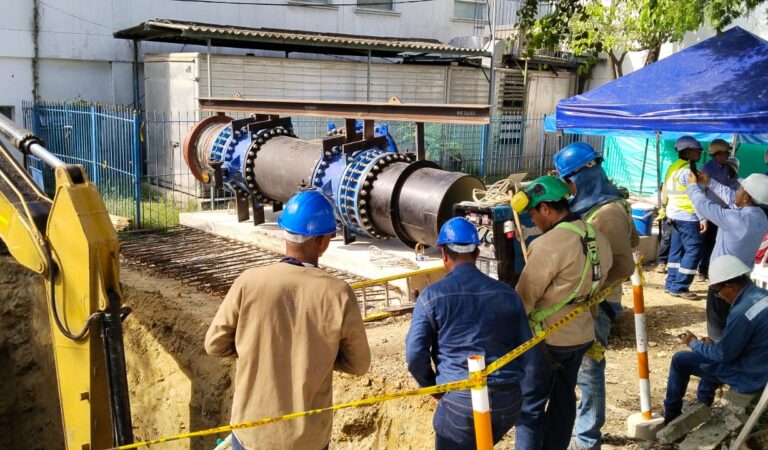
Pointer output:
639, 427
690, 419
353, 258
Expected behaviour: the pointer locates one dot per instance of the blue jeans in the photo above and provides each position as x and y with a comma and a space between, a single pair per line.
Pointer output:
454, 420
550, 375
684, 364
684, 255
590, 412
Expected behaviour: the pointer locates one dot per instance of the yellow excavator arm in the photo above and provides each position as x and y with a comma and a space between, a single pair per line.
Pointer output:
72, 243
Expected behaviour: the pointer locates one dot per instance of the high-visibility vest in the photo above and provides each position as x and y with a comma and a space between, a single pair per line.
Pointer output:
677, 197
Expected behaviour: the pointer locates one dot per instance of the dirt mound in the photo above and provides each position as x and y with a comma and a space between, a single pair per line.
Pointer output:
29, 407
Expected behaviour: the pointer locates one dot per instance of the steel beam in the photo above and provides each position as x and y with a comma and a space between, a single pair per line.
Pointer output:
418, 112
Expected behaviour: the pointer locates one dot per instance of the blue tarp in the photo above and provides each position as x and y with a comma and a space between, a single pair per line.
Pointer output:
719, 85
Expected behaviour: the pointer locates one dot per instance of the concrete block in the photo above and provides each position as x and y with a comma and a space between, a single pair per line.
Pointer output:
708, 437
738, 403
641, 428
690, 419
649, 247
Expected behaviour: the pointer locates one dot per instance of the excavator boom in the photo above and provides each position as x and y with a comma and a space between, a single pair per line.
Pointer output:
72, 243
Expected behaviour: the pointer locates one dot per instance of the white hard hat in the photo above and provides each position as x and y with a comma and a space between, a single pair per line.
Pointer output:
756, 186
726, 267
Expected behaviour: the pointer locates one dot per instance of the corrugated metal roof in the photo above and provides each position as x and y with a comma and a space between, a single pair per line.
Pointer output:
166, 30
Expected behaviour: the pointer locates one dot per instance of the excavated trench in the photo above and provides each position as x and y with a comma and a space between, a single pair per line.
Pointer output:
174, 386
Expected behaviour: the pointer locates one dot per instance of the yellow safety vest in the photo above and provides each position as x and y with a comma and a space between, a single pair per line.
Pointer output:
677, 197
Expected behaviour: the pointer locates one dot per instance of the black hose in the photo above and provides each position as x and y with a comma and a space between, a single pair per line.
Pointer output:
52, 269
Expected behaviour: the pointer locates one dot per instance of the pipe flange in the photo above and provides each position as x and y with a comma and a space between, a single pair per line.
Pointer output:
320, 174
190, 151
257, 141
354, 195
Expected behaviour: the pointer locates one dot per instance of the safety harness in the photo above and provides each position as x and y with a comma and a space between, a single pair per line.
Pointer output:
588, 218
591, 261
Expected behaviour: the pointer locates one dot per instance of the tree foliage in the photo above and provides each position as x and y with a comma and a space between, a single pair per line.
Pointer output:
616, 27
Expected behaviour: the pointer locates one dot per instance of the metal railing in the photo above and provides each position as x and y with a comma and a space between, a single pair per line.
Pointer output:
135, 159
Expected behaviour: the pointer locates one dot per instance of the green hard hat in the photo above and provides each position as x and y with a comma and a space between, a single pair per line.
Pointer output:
542, 189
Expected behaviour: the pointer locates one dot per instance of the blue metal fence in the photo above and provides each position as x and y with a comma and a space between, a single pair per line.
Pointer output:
101, 138
135, 159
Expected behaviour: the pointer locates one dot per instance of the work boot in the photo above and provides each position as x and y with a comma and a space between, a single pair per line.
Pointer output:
687, 295
661, 268
701, 278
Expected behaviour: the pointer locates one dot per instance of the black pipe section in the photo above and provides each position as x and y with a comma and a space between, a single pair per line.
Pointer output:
283, 165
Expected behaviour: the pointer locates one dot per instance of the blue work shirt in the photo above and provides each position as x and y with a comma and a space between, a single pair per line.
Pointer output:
720, 173
740, 230
740, 358
466, 313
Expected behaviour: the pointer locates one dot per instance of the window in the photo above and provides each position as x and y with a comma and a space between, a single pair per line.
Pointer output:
469, 9
386, 5
7, 111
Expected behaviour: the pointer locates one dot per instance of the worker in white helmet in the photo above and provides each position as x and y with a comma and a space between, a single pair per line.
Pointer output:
740, 358
741, 227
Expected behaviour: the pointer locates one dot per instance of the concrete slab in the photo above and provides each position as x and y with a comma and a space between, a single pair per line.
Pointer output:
708, 437
690, 419
639, 427
353, 258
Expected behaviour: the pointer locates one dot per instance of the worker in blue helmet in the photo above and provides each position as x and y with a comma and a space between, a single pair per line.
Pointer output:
290, 325
598, 202
466, 313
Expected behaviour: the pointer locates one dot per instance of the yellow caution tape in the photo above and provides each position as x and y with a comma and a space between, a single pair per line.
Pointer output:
580, 308
366, 283
640, 269
477, 379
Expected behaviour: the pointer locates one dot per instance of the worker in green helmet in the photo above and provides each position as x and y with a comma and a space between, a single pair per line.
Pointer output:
566, 265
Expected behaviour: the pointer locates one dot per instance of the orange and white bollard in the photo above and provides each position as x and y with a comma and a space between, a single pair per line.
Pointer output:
642, 425
481, 406
641, 335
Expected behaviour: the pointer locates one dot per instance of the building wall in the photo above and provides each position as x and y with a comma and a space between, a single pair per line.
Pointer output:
80, 60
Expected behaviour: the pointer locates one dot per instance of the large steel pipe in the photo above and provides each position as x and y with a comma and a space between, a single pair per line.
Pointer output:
377, 191
284, 164
427, 198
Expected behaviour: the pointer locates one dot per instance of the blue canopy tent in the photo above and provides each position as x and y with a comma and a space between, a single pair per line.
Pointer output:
716, 88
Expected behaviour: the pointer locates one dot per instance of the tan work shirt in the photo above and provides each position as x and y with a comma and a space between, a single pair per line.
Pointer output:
612, 220
290, 327
555, 262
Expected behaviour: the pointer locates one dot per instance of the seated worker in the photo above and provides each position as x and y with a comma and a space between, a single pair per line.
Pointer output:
741, 227
740, 358
466, 313
566, 265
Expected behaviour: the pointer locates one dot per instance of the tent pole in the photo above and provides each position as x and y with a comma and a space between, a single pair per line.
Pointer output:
658, 167
642, 172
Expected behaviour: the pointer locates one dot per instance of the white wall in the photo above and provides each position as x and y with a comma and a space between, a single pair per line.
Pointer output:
80, 60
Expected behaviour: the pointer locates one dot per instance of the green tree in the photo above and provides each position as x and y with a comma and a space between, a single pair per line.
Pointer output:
589, 27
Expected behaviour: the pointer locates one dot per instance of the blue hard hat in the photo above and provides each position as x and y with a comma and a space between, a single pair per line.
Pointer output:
308, 213
573, 157
686, 142
458, 231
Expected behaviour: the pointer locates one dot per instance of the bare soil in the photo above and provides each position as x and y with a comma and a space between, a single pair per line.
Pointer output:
176, 387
